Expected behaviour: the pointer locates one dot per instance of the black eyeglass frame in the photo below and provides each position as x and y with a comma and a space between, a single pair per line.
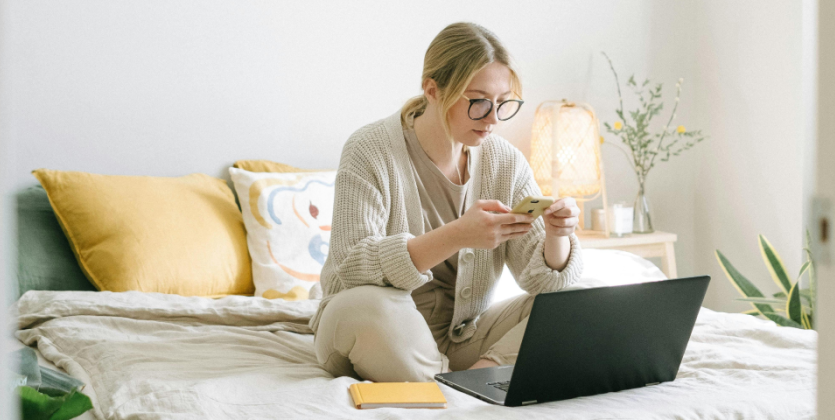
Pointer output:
473, 101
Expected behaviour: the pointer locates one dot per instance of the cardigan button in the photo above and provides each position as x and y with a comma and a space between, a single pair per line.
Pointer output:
466, 292
469, 256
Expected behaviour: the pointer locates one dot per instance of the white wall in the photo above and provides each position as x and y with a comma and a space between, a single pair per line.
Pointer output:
169, 88
162, 88
750, 174
8, 404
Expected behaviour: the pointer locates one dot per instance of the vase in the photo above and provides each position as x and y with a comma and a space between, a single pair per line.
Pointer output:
641, 218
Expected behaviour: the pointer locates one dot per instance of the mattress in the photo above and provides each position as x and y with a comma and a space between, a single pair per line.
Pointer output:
155, 356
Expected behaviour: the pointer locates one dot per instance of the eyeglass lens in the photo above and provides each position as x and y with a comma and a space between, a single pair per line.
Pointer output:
481, 107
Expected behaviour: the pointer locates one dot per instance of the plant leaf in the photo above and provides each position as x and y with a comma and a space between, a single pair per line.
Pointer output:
793, 306
745, 287
753, 312
775, 264
803, 269
763, 300
807, 323
813, 277
75, 404
37, 406
780, 295
781, 320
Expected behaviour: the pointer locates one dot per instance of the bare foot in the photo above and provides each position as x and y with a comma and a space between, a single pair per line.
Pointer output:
483, 363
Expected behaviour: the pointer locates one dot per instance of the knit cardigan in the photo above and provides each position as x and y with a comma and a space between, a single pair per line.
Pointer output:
377, 210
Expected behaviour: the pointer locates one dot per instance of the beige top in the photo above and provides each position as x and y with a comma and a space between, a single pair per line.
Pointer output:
377, 209
441, 200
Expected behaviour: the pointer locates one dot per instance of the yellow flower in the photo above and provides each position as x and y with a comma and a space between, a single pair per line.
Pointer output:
680, 129
618, 125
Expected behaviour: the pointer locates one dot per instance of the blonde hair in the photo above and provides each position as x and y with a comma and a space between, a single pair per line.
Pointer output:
453, 58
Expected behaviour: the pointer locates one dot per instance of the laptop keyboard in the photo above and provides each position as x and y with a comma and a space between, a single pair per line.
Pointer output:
503, 385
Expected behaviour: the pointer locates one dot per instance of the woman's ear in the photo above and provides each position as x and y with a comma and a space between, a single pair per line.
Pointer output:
430, 91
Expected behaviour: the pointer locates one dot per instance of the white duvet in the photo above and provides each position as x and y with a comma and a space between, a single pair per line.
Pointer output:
155, 356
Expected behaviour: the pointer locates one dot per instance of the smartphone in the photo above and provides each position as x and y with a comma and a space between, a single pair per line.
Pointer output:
533, 205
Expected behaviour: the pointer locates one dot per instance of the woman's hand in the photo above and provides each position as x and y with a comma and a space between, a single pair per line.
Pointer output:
480, 229
561, 218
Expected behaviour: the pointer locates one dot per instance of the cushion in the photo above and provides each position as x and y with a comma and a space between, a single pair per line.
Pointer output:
287, 218
603, 268
267, 166
180, 235
45, 260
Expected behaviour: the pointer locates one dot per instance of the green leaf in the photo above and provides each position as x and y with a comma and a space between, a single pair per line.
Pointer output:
753, 312
774, 264
793, 306
745, 287
781, 320
813, 276
780, 294
807, 322
75, 405
764, 300
37, 406
803, 269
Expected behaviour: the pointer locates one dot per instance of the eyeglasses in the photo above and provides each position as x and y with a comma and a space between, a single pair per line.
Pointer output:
480, 108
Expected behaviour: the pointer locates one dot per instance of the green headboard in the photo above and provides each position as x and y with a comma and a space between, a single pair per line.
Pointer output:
45, 260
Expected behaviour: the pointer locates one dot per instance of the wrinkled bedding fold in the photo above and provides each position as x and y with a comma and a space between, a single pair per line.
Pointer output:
156, 356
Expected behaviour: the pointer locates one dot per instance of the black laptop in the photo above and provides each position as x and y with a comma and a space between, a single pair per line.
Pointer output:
591, 341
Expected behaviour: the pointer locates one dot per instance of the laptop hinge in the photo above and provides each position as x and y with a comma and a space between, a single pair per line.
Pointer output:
528, 402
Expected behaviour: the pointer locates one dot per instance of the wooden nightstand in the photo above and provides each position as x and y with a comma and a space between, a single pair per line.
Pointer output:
656, 244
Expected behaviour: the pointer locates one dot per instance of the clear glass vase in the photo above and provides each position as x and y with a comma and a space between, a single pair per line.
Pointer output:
641, 218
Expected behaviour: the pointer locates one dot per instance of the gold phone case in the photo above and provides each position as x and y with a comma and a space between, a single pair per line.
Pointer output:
533, 205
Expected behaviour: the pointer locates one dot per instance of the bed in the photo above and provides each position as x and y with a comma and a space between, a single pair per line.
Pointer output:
159, 356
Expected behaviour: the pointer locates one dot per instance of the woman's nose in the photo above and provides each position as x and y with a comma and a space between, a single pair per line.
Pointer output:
493, 116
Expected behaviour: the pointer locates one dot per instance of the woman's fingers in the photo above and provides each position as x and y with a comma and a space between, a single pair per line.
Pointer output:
563, 221
493, 205
512, 218
566, 204
516, 228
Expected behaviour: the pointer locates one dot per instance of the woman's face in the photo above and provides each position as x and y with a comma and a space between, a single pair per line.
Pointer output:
492, 82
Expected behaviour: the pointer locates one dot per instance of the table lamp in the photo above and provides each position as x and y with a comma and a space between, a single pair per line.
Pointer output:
565, 153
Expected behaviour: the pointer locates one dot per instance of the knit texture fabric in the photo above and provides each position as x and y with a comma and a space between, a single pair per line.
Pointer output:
377, 210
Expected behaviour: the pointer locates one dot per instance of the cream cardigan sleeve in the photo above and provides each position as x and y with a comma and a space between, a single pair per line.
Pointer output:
525, 255
361, 252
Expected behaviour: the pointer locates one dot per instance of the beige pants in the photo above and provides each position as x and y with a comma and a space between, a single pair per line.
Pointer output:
383, 334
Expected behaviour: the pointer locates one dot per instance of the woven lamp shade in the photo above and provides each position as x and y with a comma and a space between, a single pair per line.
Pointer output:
565, 149
565, 153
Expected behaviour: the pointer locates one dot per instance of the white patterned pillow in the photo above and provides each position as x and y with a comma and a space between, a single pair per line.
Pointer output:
288, 225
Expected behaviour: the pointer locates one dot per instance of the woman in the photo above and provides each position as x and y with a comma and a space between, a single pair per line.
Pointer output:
422, 229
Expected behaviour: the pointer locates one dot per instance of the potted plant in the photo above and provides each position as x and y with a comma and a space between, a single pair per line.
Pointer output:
791, 306
645, 145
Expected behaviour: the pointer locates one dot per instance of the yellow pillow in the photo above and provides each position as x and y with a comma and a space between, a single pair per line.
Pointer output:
268, 166
180, 235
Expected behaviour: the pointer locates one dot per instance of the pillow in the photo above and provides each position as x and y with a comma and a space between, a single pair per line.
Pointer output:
602, 268
180, 235
287, 218
45, 260
267, 166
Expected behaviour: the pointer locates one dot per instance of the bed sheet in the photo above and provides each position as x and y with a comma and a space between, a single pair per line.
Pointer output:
153, 356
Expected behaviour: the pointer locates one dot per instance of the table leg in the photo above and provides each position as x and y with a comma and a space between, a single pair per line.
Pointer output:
668, 263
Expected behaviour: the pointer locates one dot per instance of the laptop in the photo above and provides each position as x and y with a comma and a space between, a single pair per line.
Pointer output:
591, 341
